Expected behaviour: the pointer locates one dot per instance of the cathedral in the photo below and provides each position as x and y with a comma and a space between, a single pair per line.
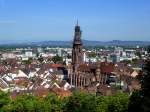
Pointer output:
91, 77
83, 74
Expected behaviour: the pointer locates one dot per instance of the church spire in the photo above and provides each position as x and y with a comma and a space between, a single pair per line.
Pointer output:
77, 54
77, 34
77, 23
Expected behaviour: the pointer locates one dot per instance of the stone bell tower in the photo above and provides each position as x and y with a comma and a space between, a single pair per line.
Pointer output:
77, 53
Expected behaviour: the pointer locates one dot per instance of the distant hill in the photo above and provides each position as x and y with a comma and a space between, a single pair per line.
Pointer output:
85, 43
117, 43
94, 43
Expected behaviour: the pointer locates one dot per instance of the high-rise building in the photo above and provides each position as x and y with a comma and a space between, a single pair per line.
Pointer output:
77, 53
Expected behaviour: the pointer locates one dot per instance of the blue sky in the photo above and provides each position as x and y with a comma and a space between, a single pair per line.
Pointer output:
103, 20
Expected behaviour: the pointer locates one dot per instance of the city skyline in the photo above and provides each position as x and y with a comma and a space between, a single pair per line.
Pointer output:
100, 20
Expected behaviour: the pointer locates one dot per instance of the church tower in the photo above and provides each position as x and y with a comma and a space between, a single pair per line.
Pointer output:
77, 53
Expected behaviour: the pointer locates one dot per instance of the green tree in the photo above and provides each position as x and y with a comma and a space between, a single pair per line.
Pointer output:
29, 61
52, 103
118, 103
25, 103
57, 58
4, 99
140, 100
115, 103
40, 59
102, 104
138, 54
92, 55
80, 102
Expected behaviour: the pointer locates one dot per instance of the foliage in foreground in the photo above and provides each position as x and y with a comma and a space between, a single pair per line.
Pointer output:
78, 102
140, 100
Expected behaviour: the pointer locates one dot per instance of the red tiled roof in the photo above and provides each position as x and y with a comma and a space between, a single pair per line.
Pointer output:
61, 92
56, 65
41, 92
107, 67
2, 69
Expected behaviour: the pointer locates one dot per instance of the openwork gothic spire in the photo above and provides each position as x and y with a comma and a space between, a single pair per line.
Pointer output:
77, 54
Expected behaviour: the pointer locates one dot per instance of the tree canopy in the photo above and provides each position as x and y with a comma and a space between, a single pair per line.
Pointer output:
140, 100
78, 102
57, 58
